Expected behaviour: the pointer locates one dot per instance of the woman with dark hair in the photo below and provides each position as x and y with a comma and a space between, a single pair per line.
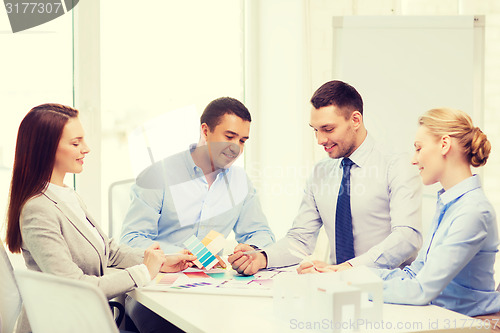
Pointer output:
49, 223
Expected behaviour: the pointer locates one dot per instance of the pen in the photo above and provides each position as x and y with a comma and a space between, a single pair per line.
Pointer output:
303, 257
249, 252
299, 253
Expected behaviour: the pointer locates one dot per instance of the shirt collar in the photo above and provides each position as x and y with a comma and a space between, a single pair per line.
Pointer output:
360, 155
466, 185
194, 170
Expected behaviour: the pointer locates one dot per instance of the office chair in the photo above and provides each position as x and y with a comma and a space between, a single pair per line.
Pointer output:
118, 203
10, 299
59, 305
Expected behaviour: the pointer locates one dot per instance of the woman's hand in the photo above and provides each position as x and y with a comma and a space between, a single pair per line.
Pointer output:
154, 259
177, 262
321, 267
308, 267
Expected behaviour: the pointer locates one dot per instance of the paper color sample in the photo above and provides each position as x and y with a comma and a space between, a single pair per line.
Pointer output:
217, 281
205, 257
196, 275
166, 278
192, 285
264, 283
214, 241
218, 275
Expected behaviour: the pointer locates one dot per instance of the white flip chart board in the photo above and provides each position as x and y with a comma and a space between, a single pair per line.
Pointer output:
405, 65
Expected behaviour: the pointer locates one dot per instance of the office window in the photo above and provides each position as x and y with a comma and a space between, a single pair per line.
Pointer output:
161, 63
36, 68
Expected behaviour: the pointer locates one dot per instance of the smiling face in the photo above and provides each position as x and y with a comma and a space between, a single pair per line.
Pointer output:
70, 151
429, 157
226, 141
335, 133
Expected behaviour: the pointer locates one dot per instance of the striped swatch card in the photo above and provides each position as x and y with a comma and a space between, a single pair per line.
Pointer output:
214, 241
205, 257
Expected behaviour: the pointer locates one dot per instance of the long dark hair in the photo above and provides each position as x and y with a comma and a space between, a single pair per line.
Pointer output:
36, 146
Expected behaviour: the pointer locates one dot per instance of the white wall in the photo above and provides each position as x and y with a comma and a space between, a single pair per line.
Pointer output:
181, 54
288, 52
87, 98
321, 32
294, 42
279, 155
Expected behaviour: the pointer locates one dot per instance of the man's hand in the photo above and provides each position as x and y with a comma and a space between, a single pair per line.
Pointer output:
247, 264
177, 262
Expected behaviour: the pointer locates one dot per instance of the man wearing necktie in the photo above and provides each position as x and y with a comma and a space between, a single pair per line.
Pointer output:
366, 197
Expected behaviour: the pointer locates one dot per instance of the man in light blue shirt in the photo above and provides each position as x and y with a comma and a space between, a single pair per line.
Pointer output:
196, 191
384, 221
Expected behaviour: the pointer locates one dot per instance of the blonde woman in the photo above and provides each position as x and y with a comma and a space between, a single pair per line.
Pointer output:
454, 268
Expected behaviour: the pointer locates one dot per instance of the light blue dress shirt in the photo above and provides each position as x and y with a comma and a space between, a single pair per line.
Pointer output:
454, 268
385, 206
171, 201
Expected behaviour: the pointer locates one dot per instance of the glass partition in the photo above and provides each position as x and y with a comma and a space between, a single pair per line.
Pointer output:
36, 67
160, 67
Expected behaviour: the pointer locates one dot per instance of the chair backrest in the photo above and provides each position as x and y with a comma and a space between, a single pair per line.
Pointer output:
60, 305
10, 299
118, 204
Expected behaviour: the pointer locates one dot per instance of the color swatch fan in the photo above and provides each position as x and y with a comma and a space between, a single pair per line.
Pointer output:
206, 249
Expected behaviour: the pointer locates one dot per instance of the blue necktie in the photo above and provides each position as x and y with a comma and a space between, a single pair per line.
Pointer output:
344, 242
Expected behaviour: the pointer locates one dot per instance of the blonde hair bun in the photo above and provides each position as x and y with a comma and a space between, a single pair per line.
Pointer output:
458, 124
480, 148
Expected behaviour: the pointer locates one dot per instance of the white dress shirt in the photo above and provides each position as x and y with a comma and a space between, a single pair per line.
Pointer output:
67, 195
385, 206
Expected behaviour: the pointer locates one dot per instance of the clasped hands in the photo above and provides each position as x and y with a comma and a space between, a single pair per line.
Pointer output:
247, 264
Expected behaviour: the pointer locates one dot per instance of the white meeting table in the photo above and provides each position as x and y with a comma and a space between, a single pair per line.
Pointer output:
225, 313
